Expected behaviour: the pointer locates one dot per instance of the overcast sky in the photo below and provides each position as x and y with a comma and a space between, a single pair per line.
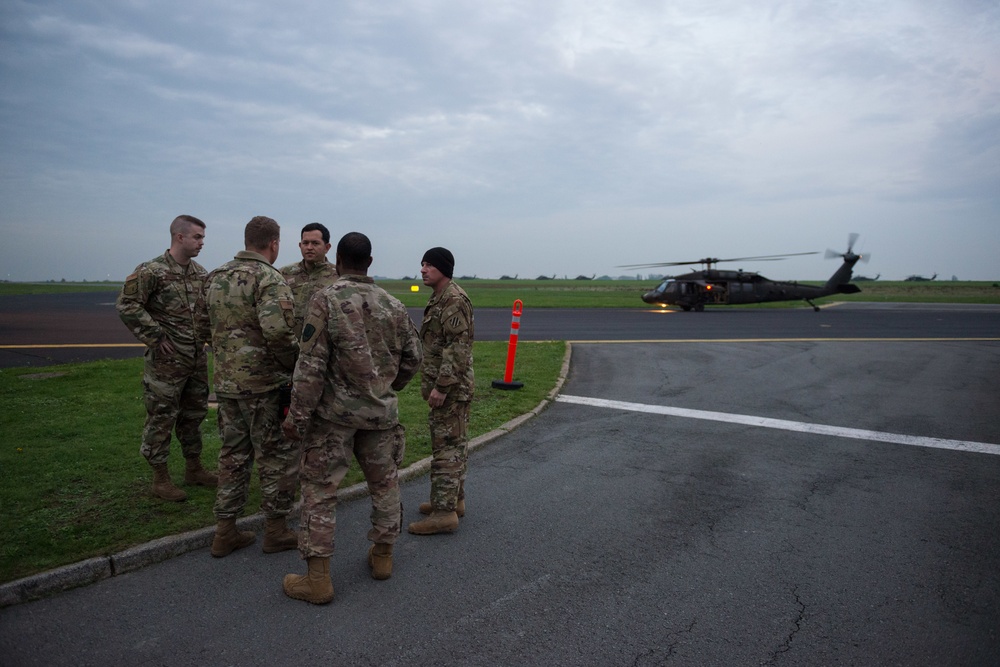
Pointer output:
529, 137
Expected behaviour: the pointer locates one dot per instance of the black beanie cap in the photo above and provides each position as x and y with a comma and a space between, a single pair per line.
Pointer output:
441, 259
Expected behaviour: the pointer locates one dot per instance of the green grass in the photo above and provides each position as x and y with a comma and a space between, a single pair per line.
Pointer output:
11, 289
627, 293
534, 293
73, 484
959, 291
610, 293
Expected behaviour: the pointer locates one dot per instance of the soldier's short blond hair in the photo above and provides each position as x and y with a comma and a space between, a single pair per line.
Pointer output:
182, 224
259, 233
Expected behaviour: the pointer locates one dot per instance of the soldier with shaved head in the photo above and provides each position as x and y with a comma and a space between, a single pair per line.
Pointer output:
157, 303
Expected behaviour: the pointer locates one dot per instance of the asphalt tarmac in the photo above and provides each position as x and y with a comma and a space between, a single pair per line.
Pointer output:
741, 487
47, 329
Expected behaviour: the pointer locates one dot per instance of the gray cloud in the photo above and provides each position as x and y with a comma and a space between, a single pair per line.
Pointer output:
578, 135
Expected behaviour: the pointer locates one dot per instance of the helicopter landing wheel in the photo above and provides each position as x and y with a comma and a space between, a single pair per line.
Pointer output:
699, 308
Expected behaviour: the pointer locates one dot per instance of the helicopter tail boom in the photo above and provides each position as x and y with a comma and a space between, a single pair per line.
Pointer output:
840, 281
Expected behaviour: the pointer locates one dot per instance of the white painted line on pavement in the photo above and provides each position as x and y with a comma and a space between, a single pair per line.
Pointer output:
785, 425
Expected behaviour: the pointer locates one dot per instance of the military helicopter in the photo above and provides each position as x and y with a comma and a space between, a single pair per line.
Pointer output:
713, 286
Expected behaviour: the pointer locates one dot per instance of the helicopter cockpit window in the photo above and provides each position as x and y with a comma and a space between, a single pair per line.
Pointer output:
667, 285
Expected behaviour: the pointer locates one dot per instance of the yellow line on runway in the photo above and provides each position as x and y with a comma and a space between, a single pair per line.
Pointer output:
37, 347
788, 340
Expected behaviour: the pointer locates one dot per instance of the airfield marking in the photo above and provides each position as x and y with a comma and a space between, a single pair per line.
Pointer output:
785, 425
785, 340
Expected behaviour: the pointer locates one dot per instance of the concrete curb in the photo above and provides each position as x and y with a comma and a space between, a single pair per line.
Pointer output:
95, 569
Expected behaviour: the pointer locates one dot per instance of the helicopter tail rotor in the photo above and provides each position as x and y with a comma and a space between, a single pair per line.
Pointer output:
851, 240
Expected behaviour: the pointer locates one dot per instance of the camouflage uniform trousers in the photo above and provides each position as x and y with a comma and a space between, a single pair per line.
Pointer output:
175, 392
326, 456
449, 426
250, 428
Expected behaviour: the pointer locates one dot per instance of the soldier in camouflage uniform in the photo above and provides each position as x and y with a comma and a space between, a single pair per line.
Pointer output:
447, 384
248, 308
358, 348
313, 273
157, 303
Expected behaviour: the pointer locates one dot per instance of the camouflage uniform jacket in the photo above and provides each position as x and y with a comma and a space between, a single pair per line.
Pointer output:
305, 282
248, 308
359, 347
159, 299
447, 333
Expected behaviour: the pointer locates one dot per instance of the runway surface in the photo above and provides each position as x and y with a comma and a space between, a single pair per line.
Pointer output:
41, 330
775, 487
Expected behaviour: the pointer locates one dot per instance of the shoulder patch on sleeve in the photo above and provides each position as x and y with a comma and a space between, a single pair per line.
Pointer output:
308, 331
454, 319
288, 311
131, 287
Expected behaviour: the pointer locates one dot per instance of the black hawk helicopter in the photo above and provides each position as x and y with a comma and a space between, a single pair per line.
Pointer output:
713, 286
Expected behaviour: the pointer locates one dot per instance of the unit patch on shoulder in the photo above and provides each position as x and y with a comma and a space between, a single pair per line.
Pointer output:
288, 310
307, 332
131, 285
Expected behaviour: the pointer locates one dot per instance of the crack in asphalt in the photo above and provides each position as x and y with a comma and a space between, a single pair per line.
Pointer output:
796, 627
657, 655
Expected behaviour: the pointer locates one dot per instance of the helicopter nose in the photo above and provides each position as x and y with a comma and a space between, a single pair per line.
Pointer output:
651, 297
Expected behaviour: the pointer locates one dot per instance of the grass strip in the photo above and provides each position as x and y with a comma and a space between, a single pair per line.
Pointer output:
608, 293
74, 486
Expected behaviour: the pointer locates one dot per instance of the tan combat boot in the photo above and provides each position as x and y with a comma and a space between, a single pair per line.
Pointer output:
427, 508
195, 473
163, 486
228, 539
278, 537
315, 586
380, 561
440, 521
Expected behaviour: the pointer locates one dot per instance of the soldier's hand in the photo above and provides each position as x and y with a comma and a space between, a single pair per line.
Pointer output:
436, 399
288, 428
166, 347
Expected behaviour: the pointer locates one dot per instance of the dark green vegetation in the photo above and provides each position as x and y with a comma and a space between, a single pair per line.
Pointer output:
928, 292
611, 293
627, 293
7, 289
73, 484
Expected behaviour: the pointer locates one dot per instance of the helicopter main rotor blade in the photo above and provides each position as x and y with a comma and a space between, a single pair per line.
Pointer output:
660, 264
715, 260
766, 257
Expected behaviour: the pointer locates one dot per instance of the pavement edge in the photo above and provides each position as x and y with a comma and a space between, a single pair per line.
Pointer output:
93, 570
